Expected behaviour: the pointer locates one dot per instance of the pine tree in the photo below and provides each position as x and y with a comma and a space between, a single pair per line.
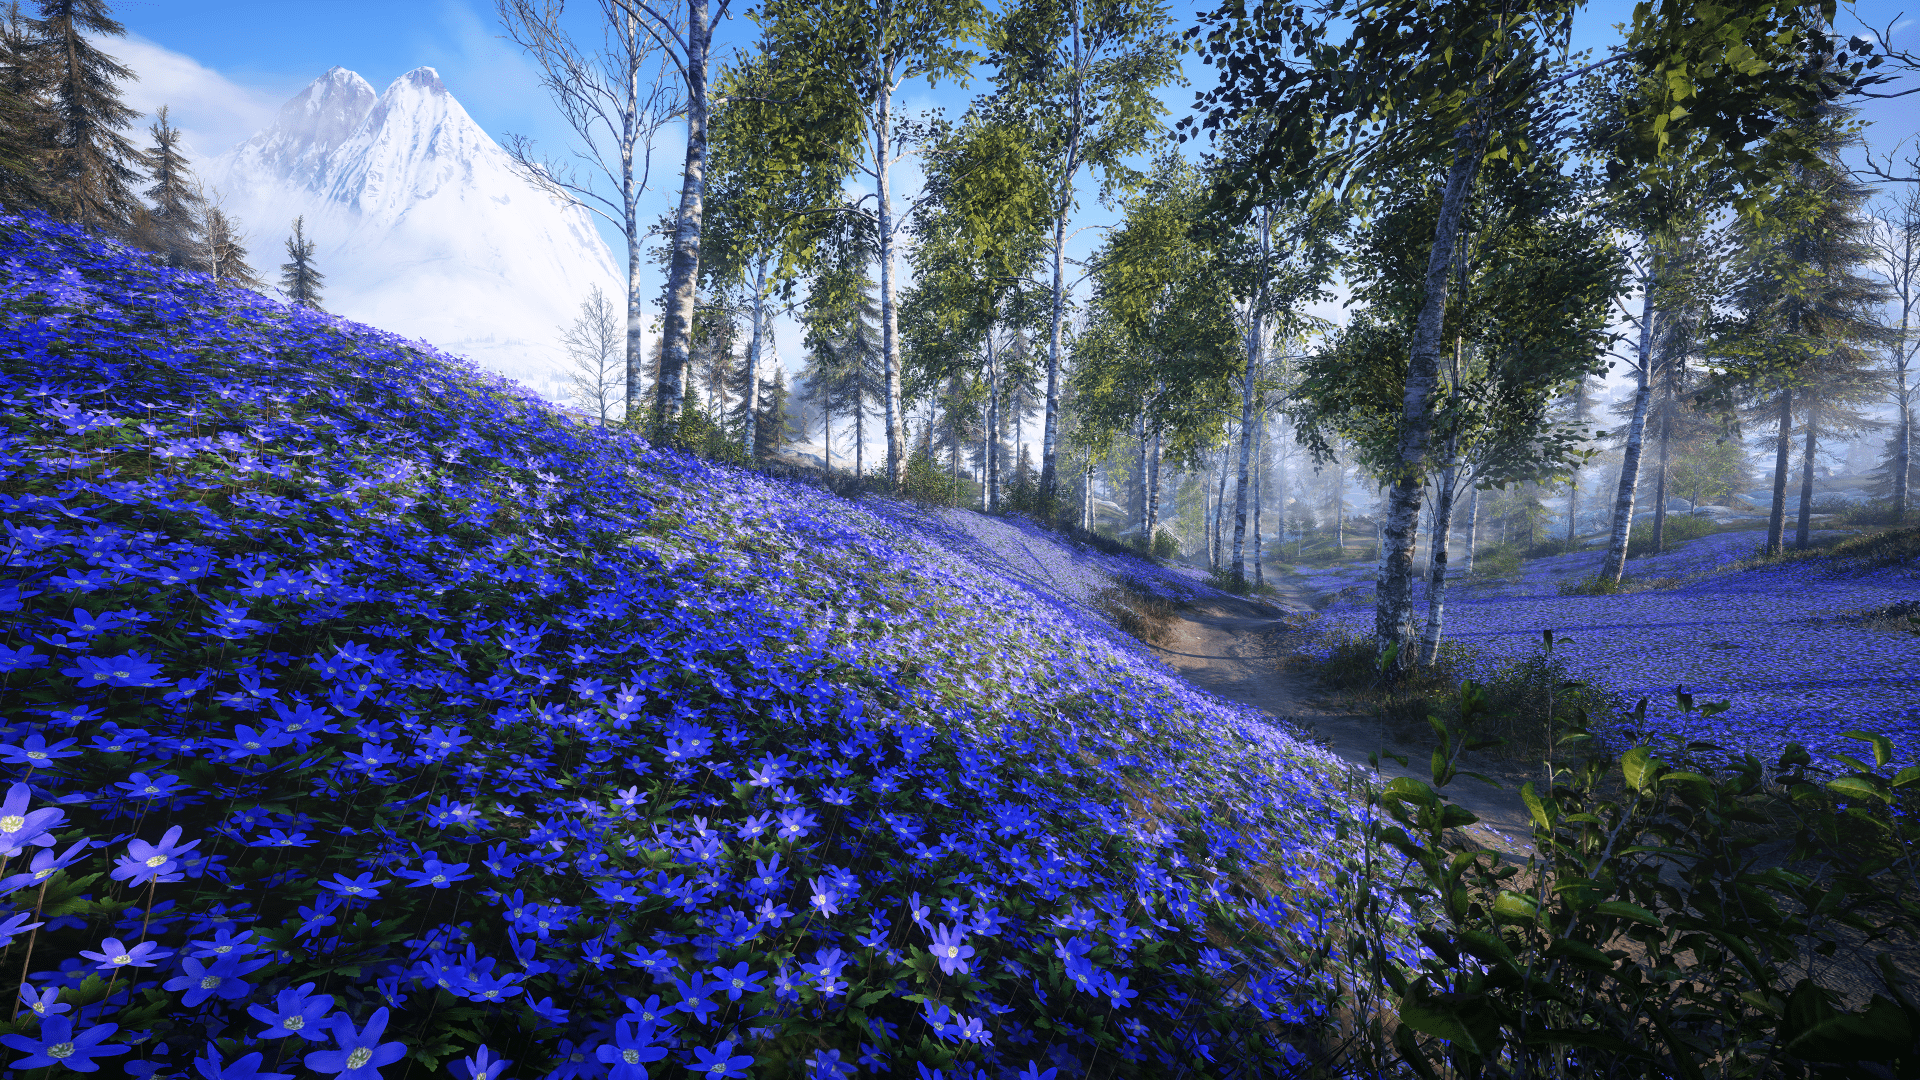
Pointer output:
92, 167
226, 251
771, 430
26, 118
298, 278
1809, 321
175, 226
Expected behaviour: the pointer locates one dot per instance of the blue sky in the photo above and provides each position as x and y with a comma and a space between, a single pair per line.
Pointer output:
225, 66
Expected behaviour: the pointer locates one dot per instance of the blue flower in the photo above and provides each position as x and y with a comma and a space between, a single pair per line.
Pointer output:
243, 1068
357, 888
21, 828
153, 862
127, 669
58, 1045
220, 979
482, 1065
631, 1049
950, 948
720, 1063
113, 955
361, 1054
296, 1011
739, 980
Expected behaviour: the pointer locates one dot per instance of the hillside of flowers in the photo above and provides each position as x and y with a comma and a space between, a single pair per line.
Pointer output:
365, 717
1781, 642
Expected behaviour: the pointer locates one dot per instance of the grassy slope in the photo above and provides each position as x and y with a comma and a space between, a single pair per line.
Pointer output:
604, 719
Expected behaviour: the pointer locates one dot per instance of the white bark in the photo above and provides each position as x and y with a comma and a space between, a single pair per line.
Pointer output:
1616, 561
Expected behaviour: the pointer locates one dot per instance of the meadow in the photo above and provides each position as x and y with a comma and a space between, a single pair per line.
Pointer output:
365, 716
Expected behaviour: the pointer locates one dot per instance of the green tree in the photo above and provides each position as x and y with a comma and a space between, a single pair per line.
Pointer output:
846, 61
1089, 72
93, 167
978, 235
177, 207
1807, 334
1897, 243
26, 115
226, 250
1348, 90
299, 279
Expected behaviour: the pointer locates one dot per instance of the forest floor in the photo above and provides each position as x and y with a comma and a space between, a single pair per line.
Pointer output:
1236, 648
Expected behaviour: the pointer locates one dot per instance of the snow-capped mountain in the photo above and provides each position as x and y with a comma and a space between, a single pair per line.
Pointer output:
420, 223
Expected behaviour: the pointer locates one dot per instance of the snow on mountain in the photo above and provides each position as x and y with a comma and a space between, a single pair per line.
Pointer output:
420, 223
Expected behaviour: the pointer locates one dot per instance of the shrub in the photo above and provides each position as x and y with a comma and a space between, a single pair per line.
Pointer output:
1678, 529
1498, 560
1165, 544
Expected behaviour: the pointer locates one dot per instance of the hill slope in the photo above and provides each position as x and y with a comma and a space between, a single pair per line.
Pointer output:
377, 697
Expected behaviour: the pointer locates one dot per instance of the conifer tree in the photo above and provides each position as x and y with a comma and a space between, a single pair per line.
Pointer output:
92, 166
298, 278
26, 127
225, 249
177, 206
772, 428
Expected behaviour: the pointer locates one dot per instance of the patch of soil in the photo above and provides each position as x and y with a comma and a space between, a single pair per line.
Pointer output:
1234, 648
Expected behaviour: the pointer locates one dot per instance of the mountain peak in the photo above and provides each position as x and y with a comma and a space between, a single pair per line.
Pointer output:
423, 77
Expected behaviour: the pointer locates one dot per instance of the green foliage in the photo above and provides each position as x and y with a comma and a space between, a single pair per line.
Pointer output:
926, 481
1677, 529
1165, 544
1651, 935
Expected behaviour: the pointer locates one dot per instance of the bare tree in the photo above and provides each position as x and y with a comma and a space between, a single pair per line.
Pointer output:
1896, 240
616, 98
596, 357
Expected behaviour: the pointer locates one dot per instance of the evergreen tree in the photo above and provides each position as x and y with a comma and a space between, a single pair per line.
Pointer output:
772, 430
298, 278
226, 251
26, 118
92, 167
175, 225
1808, 319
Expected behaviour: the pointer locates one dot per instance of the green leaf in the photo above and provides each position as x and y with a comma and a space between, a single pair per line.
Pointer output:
1639, 767
1580, 954
1440, 1018
1906, 776
1407, 789
1816, 1031
1515, 905
1882, 746
1453, 817
1620, 909
1859, 787
1536, 806
1686, 778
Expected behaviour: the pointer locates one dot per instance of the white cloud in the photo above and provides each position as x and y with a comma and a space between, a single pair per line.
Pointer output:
212, 111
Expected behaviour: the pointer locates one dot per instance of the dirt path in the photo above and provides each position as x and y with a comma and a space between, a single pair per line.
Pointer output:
1232, 648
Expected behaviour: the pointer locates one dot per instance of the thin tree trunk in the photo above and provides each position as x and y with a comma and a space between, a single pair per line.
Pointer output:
1393, 605
1259, 474
826, 428
1339, 510
1615, 565
1050, 429
1145, 538
1240, 492
993, 464
1153, 489
636, 343
1803, 528
683, 270
1218, 559
1473, 529
1437, 564
1660, 481
1782, 461
859, 436
889, 316
752, 405
1573, 511
1902, 454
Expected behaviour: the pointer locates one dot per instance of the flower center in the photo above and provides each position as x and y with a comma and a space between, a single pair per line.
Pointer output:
210, 982
123, 958
156, 860
60, 1050
12, 823
294, 1023
359, 1057
36, 754
631, 1057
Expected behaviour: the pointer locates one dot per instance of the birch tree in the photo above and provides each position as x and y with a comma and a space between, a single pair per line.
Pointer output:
616, 97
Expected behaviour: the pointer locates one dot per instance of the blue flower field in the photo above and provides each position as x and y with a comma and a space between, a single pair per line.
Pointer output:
366, 717
1773, 640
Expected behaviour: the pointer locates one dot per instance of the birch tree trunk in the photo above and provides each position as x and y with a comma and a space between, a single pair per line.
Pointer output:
1153, 490
1473, 529
993, 425
1393, 605
1051, 425
1437, 565
1660, 480
752, 404
1240, 492
683, 269
889, 316
1145, 484
1782, 460
1259, 474
1339, 510
1218, 556
1803, 528
1615, 564
636, 343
